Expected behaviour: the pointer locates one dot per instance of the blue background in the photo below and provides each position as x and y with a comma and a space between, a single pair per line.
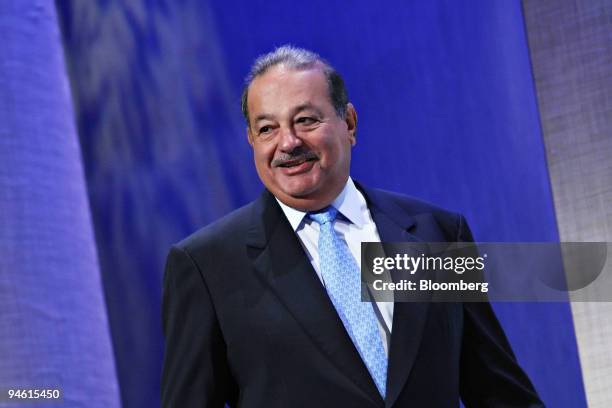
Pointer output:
447, 112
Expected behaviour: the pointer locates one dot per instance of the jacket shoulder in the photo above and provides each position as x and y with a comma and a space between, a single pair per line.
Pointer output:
410, 202
414, 206
229, 229
453, 224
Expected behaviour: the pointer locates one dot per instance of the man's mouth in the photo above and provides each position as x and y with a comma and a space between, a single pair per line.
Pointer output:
295, 161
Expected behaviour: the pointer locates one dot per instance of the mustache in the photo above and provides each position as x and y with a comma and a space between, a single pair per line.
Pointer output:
285, 159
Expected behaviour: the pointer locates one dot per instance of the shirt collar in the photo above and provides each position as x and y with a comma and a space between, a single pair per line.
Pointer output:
350, 203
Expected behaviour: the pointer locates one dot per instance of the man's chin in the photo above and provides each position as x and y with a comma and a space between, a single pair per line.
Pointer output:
299, 187
304, 199
301, 193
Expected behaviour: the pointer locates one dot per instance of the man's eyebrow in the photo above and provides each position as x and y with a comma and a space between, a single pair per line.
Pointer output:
307, 106
262, 116
296, 110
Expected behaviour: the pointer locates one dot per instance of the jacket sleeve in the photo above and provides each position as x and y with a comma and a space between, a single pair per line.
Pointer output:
195, 369
490, 375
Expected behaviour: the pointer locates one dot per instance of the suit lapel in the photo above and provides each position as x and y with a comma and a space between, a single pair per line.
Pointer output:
280, 261
394, 224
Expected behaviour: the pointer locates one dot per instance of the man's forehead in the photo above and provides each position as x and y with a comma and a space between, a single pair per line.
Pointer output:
282, 74
299, 87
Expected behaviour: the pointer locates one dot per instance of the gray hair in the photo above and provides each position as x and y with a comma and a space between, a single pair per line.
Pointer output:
297, 58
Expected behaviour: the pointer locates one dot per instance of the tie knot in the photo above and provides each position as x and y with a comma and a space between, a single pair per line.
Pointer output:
324, 216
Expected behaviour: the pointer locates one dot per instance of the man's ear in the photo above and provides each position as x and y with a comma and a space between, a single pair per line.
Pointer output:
249, 135
351, 122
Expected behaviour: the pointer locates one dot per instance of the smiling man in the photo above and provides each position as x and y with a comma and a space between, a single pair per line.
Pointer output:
263, 308
301, 142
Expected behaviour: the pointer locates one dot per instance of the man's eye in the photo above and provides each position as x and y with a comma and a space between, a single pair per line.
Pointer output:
306, 120
265, 129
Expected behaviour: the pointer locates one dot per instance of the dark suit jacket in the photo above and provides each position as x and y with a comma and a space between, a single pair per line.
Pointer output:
248, 322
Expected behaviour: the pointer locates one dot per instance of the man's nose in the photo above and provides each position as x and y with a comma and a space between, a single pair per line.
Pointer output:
289, 140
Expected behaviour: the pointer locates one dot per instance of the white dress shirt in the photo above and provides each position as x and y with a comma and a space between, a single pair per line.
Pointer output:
354, 226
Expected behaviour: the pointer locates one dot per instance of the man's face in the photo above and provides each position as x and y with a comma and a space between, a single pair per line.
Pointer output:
301, 147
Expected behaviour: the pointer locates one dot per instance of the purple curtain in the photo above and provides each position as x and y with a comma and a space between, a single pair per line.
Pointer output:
54, 330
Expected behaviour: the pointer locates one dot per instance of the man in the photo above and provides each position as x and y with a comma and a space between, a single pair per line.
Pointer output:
262, 308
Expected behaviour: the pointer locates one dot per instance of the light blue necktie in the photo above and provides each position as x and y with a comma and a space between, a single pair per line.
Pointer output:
342, 279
